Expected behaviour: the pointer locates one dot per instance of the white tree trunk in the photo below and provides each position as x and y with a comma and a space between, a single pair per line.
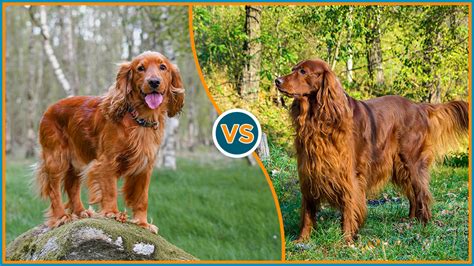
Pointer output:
350, 62
70, 54
263, 150
167, 153
193, 125
48, 48
8, 137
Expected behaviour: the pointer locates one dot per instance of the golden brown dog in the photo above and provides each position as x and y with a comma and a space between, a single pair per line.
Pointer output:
107, 137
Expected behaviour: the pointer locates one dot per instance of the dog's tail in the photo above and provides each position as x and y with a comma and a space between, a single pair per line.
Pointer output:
42, 180
448, 126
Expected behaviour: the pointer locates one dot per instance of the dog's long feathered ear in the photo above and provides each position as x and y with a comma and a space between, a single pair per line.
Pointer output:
115, 102
176, 101
331, 101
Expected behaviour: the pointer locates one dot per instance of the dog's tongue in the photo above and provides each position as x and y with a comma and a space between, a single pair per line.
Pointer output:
153, 100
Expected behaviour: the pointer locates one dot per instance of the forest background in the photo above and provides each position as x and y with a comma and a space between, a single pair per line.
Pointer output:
204, 203
419, 52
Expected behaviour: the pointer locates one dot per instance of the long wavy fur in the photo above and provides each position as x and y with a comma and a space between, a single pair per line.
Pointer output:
91, 139
347, 149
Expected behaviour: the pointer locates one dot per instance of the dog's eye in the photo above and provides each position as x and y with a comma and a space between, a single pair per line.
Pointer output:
163, 67
141, 68
302, 71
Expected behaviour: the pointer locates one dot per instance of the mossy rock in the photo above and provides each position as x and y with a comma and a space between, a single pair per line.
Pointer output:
93, 239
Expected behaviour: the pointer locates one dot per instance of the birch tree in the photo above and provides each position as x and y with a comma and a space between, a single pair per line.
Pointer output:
69, 60
42, 23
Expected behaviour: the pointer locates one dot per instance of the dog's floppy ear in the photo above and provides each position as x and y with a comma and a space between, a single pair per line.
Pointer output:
176, 101
332, 102
124, 78
115, 102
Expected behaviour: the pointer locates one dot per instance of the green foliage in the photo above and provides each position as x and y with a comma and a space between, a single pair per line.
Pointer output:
387, 233
221, 43
434, 54
457, 159
211, 208
424, 51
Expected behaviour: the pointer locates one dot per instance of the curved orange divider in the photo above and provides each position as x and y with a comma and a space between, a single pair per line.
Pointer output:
257, 158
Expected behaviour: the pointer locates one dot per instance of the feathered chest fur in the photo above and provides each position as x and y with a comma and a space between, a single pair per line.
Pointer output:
140, 151
324, 158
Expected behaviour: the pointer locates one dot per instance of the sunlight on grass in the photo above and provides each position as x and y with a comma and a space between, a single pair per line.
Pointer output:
387, 233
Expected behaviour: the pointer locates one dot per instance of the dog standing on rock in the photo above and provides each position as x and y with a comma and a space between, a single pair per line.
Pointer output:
100, 139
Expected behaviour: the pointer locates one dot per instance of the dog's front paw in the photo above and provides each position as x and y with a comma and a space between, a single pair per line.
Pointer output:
54, 222
153, 228
150, 227
118, 216
89, 213
121, 217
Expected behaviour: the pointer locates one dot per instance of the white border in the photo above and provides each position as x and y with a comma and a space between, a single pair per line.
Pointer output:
214, 128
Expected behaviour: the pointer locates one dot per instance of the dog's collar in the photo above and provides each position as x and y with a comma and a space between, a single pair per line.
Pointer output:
141, 121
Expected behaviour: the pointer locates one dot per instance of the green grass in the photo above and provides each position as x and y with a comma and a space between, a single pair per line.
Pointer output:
387, 233
211, 208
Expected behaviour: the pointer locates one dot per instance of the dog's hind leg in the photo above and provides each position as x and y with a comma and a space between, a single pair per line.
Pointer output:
72, 186
420, 182
413, 178
50, 175
402, 177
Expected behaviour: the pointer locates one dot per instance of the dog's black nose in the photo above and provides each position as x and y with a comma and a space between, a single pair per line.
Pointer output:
154, 83
278, 82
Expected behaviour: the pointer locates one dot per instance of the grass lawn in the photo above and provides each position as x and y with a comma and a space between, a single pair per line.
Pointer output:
211, 208
387, 233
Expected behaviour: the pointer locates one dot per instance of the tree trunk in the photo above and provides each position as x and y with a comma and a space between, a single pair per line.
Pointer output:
212, 117
42, 23
436, 93
8, 137
336, 53
350, 66
30, 100
374, 49
128, 33
251, 72
167, 153
70, 59
251, 160
350, 62
263, 150
193, 125
432, 62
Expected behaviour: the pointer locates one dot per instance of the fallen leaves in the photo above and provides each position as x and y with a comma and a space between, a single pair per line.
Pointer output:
404, 226
386, 198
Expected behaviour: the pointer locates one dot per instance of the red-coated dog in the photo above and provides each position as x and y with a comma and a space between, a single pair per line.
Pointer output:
103, 138
348, 148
